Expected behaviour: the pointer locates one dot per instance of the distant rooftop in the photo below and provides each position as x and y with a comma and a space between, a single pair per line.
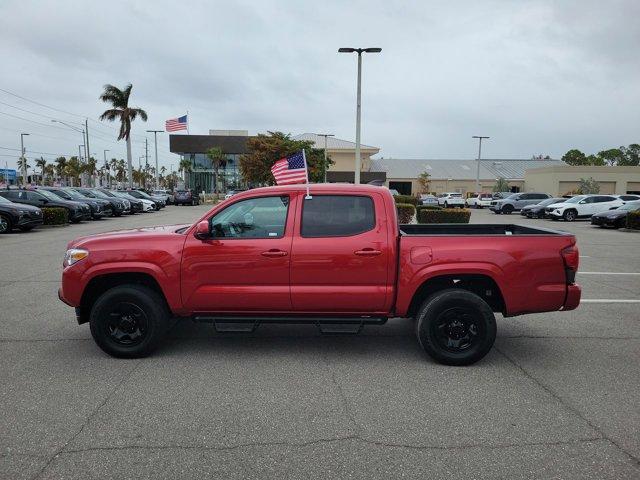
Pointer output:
333, 143
511, 169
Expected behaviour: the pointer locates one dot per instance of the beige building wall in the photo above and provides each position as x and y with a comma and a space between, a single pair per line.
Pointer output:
562, 180
462, 186
345, 160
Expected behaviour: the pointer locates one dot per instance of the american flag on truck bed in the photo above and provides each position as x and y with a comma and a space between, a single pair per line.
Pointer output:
175, 124
291, 169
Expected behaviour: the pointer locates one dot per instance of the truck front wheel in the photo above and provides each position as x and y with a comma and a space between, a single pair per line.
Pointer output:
129, 321
456, 327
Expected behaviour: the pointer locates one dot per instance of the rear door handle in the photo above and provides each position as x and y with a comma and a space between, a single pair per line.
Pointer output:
367, 252
274, 253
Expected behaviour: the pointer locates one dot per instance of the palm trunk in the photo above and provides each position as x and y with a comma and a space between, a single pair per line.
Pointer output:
129, 168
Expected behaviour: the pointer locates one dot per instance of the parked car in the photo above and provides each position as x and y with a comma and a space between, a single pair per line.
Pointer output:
336, 260
451, 199
119, 206
231, 193
78, 211
99, 208
17, 215
516, 201
479, 200
629, 197
582, 206
140, 195
185, 197
615, 218
538, 210
428, 199
500, 195
137, 204
165, 194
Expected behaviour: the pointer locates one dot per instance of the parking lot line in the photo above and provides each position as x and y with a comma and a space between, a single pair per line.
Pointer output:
607, 273
607, 300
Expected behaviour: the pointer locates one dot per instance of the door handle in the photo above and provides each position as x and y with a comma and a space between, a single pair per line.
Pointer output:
367, 252
274, 253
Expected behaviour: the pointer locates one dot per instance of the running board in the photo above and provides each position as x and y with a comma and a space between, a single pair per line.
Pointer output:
326, 325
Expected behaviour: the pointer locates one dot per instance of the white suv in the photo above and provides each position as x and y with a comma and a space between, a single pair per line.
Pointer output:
451, 199
582, 206
480, 200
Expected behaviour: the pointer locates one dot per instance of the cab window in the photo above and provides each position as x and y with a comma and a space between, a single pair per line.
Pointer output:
337, 215
261, 217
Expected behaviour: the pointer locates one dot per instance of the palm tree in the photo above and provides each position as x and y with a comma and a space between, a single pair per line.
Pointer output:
218, 159
121, 110
61, 163
74, 169
184, 167
23, 166
120, 171
49, 171
90, 168
41, 162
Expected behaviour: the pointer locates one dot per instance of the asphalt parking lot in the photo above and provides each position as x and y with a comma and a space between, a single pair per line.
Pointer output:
556, 398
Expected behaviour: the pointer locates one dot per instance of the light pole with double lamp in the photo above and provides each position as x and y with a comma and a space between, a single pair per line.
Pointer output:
155, 142
359, 51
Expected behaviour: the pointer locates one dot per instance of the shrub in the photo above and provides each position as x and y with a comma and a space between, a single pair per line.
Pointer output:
55, 216
406, 199
428, 207
633, 220
447, 215
406, 211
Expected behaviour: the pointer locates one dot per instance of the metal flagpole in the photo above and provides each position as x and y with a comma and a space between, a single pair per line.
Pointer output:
188, 123
306, 169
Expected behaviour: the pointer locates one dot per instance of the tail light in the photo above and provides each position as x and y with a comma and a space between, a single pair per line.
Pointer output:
571, 258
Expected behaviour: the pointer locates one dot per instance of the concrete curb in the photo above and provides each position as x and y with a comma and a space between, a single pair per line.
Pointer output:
630, 230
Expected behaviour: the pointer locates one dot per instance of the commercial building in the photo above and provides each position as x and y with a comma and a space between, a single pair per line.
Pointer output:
565, 179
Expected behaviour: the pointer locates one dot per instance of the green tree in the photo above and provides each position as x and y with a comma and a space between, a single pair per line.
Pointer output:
119, 100
23, 166
266, 149
611, 157
630, 155
574, 157
185, 167
218, 159
73, 169
424, 180
501, 185
42, 163
587, 186
90, 169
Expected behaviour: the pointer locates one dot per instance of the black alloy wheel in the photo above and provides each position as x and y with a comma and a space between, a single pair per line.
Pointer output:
5, 224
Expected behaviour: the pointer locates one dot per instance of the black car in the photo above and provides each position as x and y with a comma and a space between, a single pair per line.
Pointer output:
99, 208
18, 215
78, 211
118, 205
136, 205
538, 210
616, 218
139, 194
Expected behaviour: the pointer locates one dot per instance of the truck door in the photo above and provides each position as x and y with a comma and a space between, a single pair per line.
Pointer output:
244, 267
340, 254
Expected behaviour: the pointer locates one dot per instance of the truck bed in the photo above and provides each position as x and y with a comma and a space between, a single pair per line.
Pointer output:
474, 229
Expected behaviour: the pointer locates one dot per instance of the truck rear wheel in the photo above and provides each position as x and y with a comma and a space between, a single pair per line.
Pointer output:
456, 327
129, 321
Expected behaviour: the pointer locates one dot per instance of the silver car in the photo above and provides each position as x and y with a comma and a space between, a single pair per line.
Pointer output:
516, 201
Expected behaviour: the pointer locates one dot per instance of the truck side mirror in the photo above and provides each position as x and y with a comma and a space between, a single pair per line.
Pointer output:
203, 231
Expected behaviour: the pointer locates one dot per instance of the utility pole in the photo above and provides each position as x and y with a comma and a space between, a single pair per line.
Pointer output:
479, 137
24, 160
106, 167
359, 51
86, 144
146, 160
80, 161
324, 165
155, 142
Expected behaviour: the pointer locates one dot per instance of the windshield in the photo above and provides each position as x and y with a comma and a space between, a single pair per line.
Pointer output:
4, 200
72, 193
144, 195
550, 201
104, 194
631, 206
49, 195
575, 199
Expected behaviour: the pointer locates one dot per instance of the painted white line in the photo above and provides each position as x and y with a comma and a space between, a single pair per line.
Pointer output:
607, 273
607, 300
585, 256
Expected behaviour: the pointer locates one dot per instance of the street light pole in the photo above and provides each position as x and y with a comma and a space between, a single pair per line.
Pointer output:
324, 165
24, 160
80, 160
106, 167
479, 137
86, 145
359, 51
155, 142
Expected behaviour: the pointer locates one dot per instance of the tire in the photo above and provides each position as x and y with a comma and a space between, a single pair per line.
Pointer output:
569, 215
507, 209
463, 313
5, 224
446, 205
129, 321
26, 228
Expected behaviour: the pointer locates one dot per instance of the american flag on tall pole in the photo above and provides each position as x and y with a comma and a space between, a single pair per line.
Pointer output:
291, 169
175, 124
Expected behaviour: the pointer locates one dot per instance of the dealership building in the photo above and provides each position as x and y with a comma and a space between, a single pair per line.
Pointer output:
445, 175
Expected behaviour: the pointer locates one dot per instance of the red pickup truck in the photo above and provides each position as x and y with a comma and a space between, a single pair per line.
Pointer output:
337, 259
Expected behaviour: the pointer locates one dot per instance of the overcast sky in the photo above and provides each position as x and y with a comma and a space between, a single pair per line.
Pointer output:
538, 77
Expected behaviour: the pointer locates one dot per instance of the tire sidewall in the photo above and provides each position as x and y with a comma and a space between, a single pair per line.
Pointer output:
436, 304
7, 219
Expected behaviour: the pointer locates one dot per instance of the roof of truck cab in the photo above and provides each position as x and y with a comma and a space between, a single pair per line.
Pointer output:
317, 188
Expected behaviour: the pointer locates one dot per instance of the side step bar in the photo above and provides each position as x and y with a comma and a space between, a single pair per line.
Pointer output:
326, 325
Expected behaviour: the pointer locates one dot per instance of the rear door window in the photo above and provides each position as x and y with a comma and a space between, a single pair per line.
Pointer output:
337, 215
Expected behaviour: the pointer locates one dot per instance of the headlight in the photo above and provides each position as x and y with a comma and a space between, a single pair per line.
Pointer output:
74, 255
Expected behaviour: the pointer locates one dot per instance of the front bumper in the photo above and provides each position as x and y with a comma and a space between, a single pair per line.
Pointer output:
80, 215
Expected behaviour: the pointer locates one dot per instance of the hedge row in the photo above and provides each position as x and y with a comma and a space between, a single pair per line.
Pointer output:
406, 199
428, 207
633, 220
406, 211
55, 216
447, 215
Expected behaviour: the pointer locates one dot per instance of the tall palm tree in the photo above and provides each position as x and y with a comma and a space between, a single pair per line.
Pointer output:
90, 168
74, 169
61, 163
184, 167
49, 172
119, 100
42, 163
23, 166
218, 159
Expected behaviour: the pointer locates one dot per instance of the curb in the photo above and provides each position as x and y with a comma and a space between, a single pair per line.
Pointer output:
630, 230
52, 226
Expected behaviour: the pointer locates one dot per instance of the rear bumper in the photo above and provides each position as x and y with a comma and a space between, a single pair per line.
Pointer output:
572, 300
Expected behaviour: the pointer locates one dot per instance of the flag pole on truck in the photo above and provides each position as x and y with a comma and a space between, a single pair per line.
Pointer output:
306, 169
